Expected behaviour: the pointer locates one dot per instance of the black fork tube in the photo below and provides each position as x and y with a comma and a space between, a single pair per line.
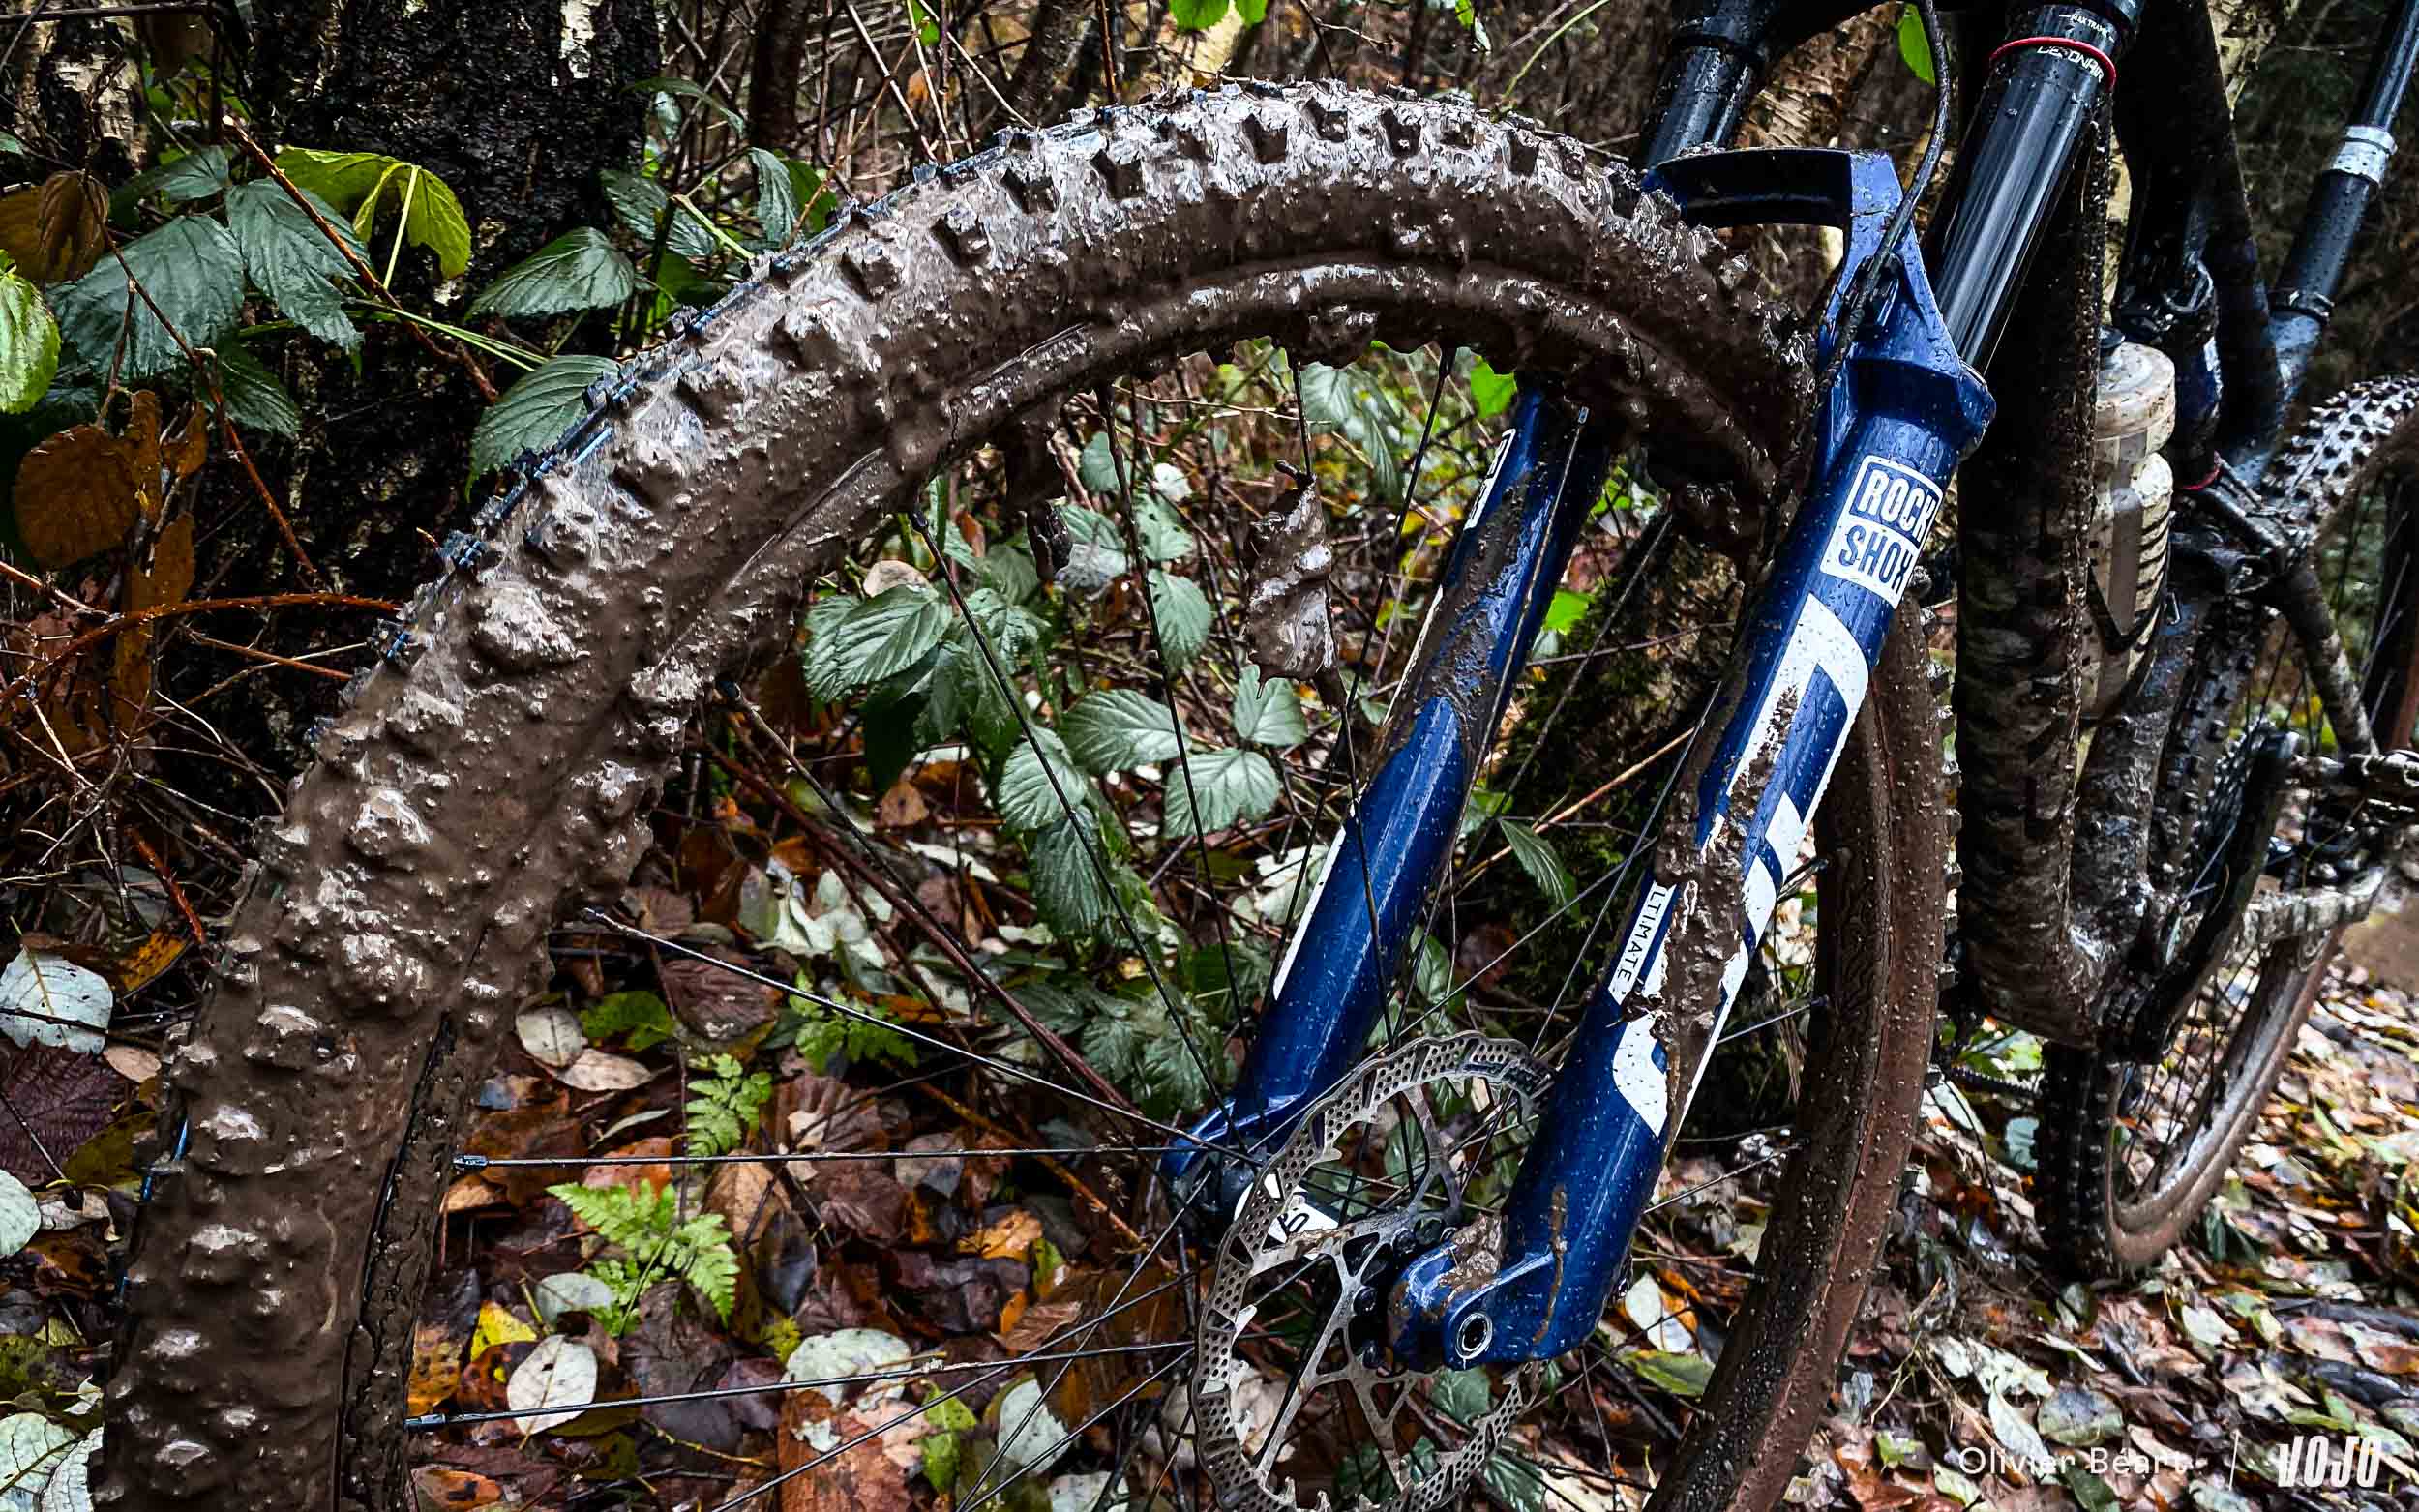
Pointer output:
2034, 110
2305, 290
1705, 90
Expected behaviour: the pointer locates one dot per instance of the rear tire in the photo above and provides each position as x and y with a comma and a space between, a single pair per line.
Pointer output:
2131, 1153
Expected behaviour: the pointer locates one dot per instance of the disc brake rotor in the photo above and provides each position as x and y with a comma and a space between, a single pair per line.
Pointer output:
1294, 1235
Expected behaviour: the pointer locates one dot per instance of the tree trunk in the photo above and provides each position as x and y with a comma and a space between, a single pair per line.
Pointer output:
516, 105
71, 95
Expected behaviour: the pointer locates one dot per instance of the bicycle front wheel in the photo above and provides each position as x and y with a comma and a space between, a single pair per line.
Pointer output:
886, 405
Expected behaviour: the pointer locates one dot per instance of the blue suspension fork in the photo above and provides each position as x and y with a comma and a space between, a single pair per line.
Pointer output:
1365, 906
1905, 411
1903, 414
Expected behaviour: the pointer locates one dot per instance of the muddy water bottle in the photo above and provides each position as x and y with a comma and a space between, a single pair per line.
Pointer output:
2134, 419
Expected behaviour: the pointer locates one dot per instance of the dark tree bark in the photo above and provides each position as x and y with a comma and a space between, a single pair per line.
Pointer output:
70, 95
516, 105
1038, 90
782, 28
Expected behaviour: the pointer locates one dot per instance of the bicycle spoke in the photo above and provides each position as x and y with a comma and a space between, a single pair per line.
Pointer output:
905, 1031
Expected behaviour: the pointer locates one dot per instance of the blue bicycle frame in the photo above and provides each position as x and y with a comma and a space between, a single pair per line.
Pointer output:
1905, 410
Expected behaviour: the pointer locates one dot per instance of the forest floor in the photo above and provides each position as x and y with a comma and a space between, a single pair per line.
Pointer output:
1977, 1377
2290, 1317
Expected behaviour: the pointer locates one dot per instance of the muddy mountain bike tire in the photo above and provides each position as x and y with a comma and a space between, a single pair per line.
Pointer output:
501, 761
2132, 1151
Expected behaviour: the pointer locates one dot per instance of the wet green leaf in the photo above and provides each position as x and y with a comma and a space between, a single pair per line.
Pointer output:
776, 195
889, 633
29, 345
1565, 611
1039, 784
1914, 48
536, 411
192, 271
253, 394
1066, 886
1098, 468
1682, 1374
1514, 1482
291, 261
641, 1017
1211, 789
363, 185
1119, 728
641, 204
1267, 712
1460, 1393
1537, 857
684, 89
1491, 392
1183, 614
578, 270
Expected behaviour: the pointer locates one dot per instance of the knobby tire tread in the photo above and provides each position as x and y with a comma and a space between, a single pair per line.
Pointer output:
2324, 465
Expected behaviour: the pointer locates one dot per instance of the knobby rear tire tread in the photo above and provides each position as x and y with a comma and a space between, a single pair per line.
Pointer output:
2322, 466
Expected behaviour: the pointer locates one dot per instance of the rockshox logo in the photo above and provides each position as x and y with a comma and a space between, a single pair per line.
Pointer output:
1879, 535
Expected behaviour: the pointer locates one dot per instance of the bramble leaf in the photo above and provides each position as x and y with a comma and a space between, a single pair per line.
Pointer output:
641, 204
578, 270
192, 273
1267, 712
289, 259
1118, 729
1066, 887
534, 412
253, 392
1183, 614
1215, 789
1039, 784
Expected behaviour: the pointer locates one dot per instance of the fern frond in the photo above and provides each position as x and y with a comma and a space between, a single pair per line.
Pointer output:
704, 1256
723, 1106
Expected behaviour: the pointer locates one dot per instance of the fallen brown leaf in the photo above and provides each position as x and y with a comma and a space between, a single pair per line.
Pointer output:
441, 1486
901, 807
858, 1480
1011, 1238
76, 495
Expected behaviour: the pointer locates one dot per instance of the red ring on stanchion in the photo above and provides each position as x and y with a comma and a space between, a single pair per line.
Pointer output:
2196, 488
2107, 65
